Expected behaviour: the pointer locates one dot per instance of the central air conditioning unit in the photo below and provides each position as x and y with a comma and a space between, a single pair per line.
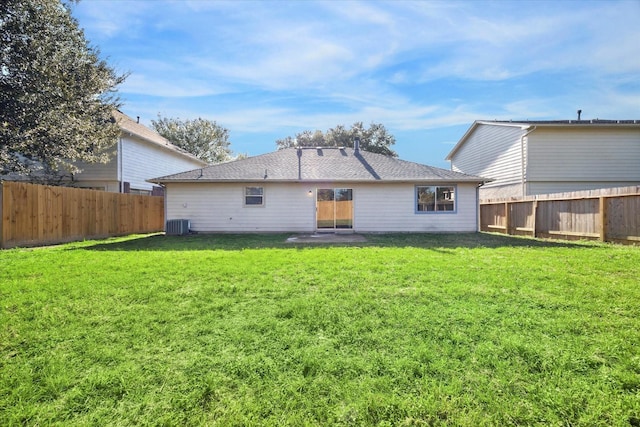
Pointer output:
178, 227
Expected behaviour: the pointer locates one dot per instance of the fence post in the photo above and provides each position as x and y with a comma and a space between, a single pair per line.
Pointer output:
603, 219
507, 218
535, 218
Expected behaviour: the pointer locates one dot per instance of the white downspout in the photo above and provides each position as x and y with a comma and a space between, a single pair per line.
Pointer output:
478, 223
119, 172
529, 129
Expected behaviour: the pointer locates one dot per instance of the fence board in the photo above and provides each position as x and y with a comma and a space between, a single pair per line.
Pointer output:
608, 215
521, 218
493, 217
623, 217
33, 215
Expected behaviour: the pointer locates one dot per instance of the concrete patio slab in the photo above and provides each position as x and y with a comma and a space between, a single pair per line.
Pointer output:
327, 238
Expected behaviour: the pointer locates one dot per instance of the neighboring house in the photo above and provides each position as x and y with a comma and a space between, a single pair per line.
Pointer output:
539, 157
323, 189
141, 153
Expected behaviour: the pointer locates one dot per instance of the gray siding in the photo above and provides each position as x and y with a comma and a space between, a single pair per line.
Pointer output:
585, 155
98, 172
514, 190
378, 207
220, 207
568, 187
391, 208
492, 152
142, 160
559, 158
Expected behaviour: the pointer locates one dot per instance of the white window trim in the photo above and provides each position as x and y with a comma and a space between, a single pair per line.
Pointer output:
245, 195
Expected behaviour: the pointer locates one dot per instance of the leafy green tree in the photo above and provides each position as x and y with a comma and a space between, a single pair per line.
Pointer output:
340, 136
56, 94
203, 138
375, 138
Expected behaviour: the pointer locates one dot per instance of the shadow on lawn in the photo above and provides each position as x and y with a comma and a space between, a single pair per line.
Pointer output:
194, 242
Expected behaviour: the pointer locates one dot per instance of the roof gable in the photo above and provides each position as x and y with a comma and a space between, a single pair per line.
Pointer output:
132, 127
526, 124
319, 164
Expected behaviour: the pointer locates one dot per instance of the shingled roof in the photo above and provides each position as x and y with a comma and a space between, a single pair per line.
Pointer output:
564, 122
319, 164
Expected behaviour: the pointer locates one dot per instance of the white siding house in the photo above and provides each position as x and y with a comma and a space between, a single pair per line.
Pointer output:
328, 189
539, 157
140, 154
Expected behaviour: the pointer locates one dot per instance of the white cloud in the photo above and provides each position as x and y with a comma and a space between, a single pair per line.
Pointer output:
108, 20
277, 45
306, 65
141, 84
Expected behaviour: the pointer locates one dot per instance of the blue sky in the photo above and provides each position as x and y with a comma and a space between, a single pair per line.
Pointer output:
424, 69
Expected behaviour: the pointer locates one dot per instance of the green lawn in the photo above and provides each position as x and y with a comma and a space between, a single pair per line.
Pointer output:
459, 330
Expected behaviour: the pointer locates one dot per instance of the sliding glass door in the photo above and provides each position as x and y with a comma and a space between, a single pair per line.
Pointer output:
334, 208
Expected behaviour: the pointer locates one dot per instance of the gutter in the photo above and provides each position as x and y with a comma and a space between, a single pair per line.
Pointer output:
529, 130
477, 180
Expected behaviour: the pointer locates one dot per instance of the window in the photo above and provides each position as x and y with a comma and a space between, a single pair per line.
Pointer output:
436, 199
334, 208
254, 196
139, 192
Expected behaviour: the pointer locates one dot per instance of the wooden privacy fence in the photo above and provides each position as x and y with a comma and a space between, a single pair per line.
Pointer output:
33, 215
607, 215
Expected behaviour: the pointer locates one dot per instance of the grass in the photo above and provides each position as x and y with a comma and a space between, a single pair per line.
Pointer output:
407, 330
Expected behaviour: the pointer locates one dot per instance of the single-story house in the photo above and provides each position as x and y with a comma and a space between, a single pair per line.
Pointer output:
140, 154
527, 157
322, 189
